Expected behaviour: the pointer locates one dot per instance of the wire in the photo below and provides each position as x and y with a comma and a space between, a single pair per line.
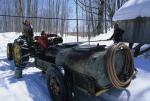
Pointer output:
128, 70
15, 16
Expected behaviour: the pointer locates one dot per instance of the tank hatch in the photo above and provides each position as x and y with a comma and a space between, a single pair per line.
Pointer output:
90, 48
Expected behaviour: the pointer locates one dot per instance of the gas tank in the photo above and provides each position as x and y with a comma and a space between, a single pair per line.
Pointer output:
91, 61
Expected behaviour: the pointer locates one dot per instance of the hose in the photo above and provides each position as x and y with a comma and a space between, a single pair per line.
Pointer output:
128, 66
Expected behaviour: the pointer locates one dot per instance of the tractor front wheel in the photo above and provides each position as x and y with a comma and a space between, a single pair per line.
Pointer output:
20, 54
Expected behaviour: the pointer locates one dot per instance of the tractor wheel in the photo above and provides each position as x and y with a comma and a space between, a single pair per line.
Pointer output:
56, 85
9, 51
20, 54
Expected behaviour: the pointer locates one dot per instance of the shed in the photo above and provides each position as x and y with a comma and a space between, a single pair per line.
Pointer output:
134, 18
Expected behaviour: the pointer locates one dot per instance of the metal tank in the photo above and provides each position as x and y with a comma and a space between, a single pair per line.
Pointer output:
94, 62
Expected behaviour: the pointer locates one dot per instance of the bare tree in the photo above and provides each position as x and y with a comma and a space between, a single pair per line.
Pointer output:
100, 27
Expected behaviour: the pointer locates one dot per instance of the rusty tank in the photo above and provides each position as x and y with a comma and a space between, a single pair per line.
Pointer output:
96, 67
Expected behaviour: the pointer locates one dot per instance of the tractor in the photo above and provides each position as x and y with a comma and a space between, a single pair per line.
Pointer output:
93, 69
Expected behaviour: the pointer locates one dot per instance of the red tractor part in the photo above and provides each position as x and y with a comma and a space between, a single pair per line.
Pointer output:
43, 41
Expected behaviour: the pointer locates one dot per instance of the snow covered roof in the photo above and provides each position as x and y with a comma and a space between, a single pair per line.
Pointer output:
133, 9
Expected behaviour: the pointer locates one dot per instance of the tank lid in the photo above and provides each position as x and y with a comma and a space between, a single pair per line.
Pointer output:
89, 48
70, 44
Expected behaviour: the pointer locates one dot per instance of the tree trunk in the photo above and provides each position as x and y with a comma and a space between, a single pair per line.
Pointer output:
100, 27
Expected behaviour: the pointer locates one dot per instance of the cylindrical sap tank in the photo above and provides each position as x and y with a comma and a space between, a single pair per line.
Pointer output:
90, 60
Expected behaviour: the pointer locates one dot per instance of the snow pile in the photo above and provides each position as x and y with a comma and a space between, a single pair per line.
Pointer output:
101, 39
6, 38
71, 38
133, 9
32, 87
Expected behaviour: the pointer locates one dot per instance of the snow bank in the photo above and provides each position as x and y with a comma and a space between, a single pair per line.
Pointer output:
99, 38
5, 38
71, 38
133, 9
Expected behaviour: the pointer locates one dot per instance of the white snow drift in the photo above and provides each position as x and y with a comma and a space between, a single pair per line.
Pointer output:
133, 9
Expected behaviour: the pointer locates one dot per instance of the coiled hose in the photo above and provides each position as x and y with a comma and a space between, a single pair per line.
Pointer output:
128, 65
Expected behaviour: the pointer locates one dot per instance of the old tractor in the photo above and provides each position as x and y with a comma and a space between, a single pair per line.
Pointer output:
93, 69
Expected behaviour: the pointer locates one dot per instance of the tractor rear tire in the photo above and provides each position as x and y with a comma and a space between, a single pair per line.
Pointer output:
9, 51
56, 85
21, 54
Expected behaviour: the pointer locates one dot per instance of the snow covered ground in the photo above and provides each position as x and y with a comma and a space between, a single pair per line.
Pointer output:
32, 87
